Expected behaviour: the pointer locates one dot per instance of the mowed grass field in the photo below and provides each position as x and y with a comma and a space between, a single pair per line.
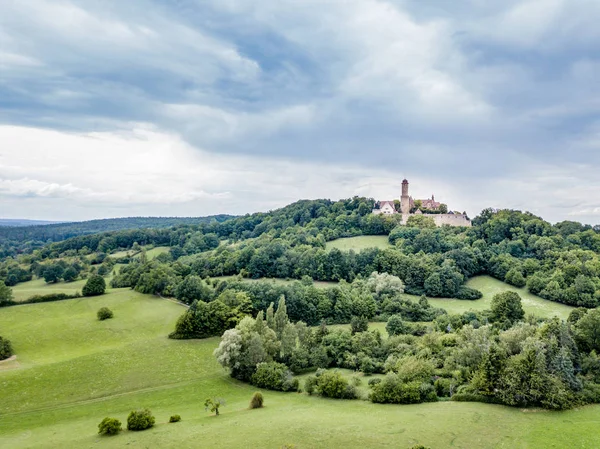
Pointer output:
359, 243
73, 370
28, 289
490, 286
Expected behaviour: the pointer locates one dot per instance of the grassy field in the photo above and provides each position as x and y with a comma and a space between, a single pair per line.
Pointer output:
152, 253
73, 370
359, 243
28, 289
490, 287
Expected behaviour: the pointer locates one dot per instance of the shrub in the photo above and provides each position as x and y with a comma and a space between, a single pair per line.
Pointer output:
140, 420
468, 293
332, 384
515, 277
94, 286
310, 384
109, 426
257, 400
274, 376
104, 314
374, 381
175, 418
392, 390
6, 349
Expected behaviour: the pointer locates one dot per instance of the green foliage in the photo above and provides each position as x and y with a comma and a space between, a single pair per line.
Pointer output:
274, 376
109, 426
257, 400
359, 324
506, 308
104, 313
420, 221
374, 381
70, 274
332, 384
94, 286
396, 326
204, 320
6, 294
193, 288
6, 349
393, 390
213, 405
53, 273
174, 418
140, 420
515, 277
242, 349
587, 331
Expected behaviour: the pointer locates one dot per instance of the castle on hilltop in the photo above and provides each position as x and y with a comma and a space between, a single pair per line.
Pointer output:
429, 207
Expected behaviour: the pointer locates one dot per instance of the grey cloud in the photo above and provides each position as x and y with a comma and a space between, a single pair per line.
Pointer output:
482, 91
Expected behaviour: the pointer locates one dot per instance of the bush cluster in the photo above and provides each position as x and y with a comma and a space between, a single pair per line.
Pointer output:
174, 418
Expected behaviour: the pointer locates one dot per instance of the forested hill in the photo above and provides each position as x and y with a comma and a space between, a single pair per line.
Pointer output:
35, 236
16, 222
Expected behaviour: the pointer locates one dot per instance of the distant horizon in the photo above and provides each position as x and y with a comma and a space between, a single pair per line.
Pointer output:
64, 221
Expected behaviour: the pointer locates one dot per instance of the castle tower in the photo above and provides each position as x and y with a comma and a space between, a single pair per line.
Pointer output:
405, 199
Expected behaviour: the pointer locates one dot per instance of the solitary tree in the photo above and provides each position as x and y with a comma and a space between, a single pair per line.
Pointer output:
94, 286
53, 273
213, 405
507, 307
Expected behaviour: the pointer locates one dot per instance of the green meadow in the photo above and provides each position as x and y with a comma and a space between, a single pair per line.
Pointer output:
490, 286
359, 243
72, 371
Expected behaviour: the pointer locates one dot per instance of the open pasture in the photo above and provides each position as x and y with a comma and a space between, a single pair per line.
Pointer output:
34, 287
74, 370
359, 243
490, 286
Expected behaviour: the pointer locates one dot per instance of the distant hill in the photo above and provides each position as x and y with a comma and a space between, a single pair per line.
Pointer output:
56, 232
13, 222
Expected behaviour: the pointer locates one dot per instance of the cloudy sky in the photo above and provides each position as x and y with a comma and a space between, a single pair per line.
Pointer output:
115, 108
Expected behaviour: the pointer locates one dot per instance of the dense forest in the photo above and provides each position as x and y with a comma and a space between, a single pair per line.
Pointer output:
557, 262
17, 239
